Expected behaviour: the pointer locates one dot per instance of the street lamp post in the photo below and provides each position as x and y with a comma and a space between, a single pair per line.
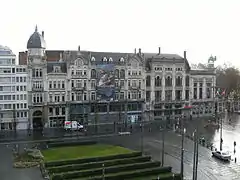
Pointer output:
182, 148
221, 140
163, 142
141, 126
195, 155
196, 166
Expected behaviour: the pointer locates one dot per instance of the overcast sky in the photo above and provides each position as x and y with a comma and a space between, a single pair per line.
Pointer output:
201, 27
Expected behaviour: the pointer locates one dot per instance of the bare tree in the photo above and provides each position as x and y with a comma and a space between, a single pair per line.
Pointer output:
228, 77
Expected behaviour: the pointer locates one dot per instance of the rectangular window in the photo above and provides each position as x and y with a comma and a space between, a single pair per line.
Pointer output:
63, 110
79, 97
63, 84
93, 96
54, 84
50, 84
72, 83
59, 84
57, 110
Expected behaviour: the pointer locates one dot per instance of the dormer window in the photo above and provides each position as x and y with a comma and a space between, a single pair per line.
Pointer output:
110, 59
79, 62
104, 59
56, 69
93, 59
121, 60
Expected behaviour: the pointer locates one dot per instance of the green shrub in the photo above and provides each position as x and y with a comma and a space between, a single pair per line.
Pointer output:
93, 159
70, 143
108, 170
91, 165
133, 174
168, 177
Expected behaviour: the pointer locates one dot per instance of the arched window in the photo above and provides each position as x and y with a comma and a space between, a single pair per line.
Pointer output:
158, 81
93, 59
187, 81
93, 73
110, 59
148, 81
168, 81
122, 74
79, 62
179, 81
121, 59
117, 73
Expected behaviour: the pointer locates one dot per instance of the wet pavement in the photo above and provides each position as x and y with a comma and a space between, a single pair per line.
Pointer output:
209, 168
7, 172
230, 133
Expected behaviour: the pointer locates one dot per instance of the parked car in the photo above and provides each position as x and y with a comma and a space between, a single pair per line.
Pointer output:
222, 155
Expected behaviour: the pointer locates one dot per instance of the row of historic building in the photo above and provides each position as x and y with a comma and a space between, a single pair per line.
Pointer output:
65, 85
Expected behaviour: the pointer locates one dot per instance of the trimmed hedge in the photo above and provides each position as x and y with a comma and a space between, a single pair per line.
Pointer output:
70, 143
93, 159
108, 170
91, 165
168, 177
133, 174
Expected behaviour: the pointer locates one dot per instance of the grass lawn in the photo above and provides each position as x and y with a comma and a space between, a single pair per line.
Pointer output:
83, 151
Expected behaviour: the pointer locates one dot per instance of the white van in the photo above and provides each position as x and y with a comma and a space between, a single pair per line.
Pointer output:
73, 125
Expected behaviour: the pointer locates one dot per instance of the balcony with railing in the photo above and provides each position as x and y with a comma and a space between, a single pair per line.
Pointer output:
38, 89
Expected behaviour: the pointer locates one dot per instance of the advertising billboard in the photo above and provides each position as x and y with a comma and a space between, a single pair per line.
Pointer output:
105, 81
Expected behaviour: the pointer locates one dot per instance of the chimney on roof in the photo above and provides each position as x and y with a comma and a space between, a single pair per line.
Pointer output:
135, 51
79, 49
43, 34
139, 51
159, 50
61, 57
185, 54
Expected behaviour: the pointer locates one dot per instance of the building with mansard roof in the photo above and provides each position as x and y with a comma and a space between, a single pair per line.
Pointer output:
106, 87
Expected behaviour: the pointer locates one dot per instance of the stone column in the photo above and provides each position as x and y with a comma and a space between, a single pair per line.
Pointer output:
173, 86
204, 88
198, 90
163, 88
184, 86
152, 87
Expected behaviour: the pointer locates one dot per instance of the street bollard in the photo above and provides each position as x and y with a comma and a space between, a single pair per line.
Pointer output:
103, 172
203, 142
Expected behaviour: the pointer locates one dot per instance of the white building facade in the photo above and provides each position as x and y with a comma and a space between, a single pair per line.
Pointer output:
13, 94
148, 86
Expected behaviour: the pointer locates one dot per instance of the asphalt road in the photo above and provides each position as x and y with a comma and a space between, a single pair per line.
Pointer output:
209, 168
7, 172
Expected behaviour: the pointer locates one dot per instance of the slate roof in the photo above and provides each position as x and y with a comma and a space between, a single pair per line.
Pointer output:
36, 40
202, 72
4, 50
